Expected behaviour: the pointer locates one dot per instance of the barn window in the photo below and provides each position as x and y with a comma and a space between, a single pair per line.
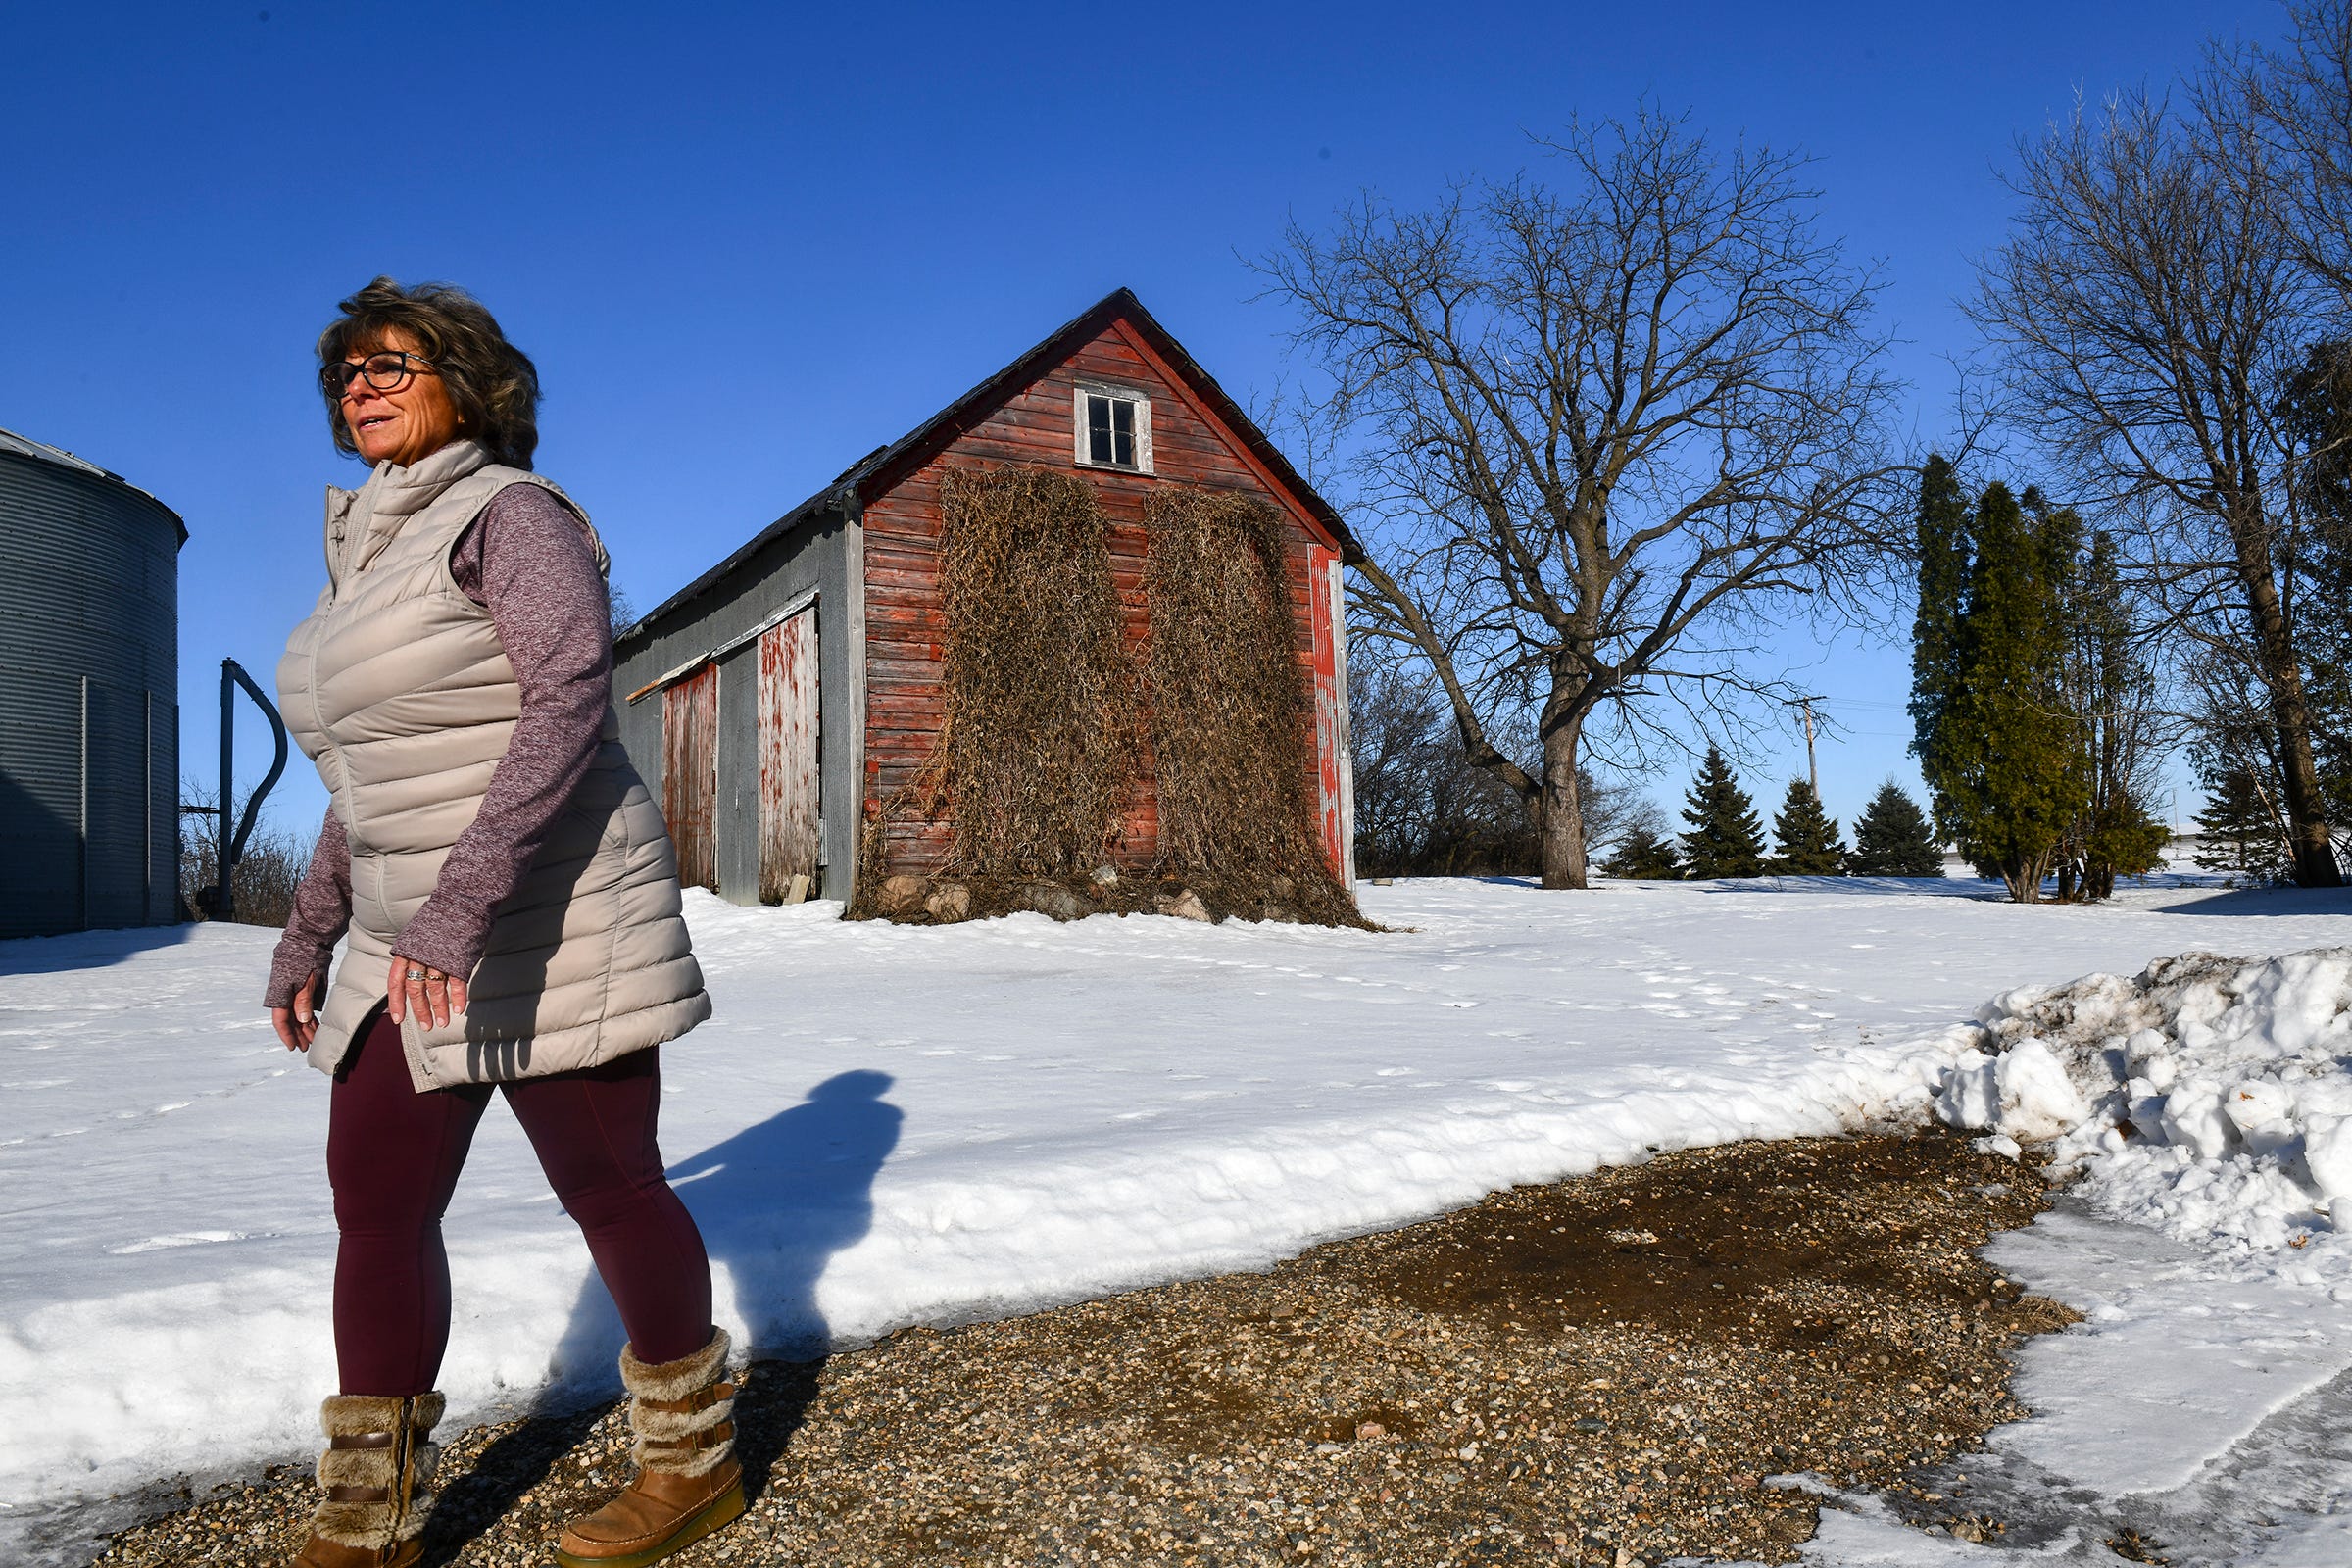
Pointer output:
1114, 429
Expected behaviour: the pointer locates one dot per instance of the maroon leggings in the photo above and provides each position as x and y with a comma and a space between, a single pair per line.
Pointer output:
393, 1157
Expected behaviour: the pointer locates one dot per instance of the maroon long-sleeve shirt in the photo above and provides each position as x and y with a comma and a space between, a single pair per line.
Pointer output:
528, 562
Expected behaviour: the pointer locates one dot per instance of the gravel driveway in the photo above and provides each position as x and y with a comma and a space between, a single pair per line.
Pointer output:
1600, 1371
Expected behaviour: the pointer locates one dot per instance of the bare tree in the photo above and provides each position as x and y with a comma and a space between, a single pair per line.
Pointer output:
268, 872
1609, 428
2149, 306
1423, 808
2301, 95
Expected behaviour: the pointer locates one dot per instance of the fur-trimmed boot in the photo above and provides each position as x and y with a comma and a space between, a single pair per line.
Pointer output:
688, 1483
378, 1474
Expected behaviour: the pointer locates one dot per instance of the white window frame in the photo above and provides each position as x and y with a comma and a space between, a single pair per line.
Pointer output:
1143, 425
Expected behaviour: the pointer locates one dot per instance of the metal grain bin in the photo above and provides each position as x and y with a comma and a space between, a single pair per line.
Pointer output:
89, 681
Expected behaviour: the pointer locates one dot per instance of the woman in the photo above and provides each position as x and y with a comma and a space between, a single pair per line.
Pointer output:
511, 900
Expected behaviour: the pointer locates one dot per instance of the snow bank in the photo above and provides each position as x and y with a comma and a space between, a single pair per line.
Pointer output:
2209, 1097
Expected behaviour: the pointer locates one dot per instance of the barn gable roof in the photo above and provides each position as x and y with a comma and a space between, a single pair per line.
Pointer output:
876, 471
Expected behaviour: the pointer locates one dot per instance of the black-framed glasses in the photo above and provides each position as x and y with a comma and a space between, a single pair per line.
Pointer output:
383, 370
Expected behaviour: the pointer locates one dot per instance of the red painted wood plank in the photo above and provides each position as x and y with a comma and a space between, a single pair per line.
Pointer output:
924, 707
1329, 759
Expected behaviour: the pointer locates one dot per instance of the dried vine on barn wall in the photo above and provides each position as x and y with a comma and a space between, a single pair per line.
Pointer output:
1040, 743
1232, 712
1037, 750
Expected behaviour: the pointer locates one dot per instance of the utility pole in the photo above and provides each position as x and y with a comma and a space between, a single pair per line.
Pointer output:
1812, 769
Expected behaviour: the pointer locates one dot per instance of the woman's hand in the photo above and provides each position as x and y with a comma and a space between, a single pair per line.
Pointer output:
298, 1025
420, 988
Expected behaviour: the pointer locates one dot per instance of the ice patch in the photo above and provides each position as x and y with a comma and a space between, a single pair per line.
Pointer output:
158, 1244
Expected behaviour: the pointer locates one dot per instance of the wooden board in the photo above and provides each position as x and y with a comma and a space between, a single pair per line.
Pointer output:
788, 757
690, 774
1331, 707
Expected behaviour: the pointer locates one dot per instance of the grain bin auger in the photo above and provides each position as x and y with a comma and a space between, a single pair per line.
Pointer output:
219, 901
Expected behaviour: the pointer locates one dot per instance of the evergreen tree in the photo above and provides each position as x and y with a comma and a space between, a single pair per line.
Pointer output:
2112, 695
1725, 838
2319, 410
2002, 753
2234, 751
1894, 839
1646, 855
1807, 836
2237, 829
1943, 531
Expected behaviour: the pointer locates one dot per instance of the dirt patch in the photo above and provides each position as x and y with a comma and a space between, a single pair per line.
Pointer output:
1595, 1372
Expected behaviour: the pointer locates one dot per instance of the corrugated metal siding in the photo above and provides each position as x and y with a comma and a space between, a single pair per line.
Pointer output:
90, 593
40, 802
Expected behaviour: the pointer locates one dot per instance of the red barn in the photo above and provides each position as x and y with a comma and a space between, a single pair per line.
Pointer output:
783, 701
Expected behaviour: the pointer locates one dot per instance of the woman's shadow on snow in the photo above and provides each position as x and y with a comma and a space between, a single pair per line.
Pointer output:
774, 1203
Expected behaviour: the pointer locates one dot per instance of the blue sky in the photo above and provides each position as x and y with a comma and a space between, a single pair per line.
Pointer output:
748, 244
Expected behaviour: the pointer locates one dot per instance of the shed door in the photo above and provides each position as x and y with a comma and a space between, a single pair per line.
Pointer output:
690, 774
788, 756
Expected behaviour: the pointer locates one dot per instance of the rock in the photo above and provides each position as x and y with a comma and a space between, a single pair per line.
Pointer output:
902, 894
1184, 905
1106, 876
1051, 900
1366, 1431
1966, 1529
950, 902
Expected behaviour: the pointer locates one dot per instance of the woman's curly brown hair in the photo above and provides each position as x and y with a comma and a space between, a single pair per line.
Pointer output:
493, 384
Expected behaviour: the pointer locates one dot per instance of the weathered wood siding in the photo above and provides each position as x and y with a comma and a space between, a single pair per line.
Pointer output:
690, 774
812, 563
788, 754
904, 619
1333, 770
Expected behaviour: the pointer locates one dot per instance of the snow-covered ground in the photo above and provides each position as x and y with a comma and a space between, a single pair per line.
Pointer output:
886, 1125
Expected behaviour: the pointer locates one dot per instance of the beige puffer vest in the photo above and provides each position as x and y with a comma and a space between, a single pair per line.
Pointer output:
396, 687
